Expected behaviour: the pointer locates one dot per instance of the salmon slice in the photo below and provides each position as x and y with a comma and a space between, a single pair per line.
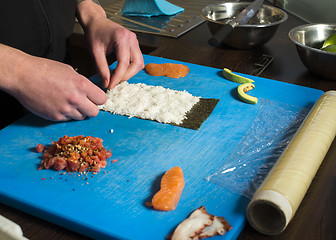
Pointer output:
171, 70
172, 184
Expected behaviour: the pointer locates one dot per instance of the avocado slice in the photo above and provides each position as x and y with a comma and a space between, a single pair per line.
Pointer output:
228, 74
242, 89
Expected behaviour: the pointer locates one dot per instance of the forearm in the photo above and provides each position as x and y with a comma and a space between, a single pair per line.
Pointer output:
87, 10
12, 67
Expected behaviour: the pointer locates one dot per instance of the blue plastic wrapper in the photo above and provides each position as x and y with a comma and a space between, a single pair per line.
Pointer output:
254, 156
149, 8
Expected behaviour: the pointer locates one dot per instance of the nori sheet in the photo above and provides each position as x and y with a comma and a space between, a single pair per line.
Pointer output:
198, 113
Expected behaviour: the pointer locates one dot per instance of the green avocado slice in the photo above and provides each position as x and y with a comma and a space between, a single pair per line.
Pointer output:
228, 74
242, 89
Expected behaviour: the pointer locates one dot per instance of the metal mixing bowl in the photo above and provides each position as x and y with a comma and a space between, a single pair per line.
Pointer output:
257, 32
308, 40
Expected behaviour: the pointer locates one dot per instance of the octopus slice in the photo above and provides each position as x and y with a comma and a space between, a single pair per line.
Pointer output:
200, 224
218, 227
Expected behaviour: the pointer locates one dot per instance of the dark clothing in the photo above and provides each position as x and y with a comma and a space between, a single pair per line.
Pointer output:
37, 27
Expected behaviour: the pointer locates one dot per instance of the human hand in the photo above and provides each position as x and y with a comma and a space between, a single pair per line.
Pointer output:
105, 36
55, 91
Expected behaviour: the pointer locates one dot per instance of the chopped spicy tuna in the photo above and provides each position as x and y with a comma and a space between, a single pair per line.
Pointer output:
76, 153
40, 148
60, 163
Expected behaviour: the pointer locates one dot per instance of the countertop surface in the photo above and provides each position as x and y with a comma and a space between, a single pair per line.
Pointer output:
316, 215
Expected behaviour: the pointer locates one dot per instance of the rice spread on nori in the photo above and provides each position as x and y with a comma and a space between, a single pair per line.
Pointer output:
149, 102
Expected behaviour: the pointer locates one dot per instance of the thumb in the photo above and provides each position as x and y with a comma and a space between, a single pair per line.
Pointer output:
102, 68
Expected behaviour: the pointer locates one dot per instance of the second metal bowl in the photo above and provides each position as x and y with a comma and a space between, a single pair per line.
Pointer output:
308, 40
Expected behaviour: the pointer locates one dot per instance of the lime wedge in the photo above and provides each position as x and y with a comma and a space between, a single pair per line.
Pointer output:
228, 74
331, 40
330, 48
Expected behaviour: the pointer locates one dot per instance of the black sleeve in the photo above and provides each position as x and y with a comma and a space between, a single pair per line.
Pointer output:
37, 27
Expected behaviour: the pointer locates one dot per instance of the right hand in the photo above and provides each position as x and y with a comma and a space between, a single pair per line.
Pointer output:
53, 90
105, 36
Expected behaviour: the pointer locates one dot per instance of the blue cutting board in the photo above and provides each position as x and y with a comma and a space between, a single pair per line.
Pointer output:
111, 204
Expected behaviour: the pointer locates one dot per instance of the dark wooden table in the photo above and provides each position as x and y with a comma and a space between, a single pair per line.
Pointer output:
316, 217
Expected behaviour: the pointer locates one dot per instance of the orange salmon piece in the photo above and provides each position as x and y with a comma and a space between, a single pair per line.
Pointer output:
172, 184
172, 70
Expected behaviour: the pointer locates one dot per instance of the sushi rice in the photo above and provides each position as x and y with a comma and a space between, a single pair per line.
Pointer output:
149, 102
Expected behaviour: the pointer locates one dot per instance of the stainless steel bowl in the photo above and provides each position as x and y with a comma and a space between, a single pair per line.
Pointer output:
308, 40
257, 32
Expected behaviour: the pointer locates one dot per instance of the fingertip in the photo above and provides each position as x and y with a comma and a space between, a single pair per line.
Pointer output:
105, 83
103, 70
105, 75
112, 85
114, 80
91, 111
95, 112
